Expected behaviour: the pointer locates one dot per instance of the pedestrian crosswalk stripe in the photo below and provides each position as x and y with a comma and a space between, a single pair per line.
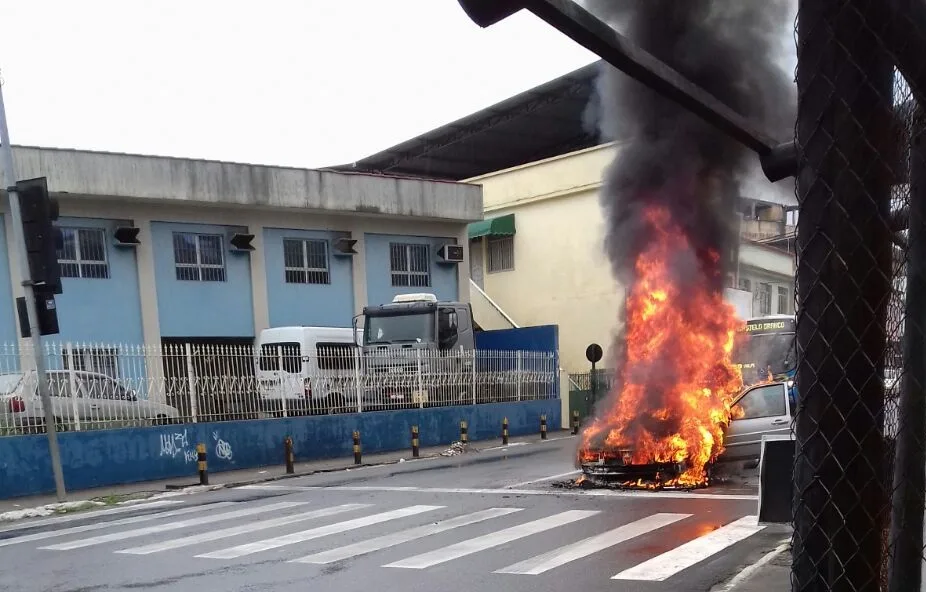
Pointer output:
492, 540
127, 534
39, 536
242, 529
315, 533
136, 507
405, 536
543, 563
668, 564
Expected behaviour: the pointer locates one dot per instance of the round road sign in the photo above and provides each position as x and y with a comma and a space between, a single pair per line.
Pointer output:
593, 353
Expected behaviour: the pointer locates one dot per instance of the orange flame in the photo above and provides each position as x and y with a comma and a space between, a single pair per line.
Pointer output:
676, 381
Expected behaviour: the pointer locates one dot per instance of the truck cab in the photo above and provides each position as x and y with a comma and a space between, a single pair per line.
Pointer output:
417, 321
418, 351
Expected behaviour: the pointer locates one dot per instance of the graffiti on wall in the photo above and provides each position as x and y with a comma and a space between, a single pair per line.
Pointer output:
223, 449
177, 445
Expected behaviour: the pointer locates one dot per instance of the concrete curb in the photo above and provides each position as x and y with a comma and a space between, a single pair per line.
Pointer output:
750, 571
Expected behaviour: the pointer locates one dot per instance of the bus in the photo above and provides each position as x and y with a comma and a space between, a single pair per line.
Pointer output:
764, 349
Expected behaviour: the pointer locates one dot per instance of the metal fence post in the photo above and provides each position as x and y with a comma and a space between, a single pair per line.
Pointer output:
72, 385
282, 386
519, 374
844, 83
357, 361
906, 561
191, 381
420, 380
473, 377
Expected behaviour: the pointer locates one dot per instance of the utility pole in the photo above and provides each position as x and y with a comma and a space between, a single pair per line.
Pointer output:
35, 336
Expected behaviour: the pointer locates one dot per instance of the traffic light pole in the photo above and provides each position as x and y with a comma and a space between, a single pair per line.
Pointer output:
9, 176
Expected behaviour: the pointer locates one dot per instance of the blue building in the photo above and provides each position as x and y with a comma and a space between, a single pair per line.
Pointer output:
225, 250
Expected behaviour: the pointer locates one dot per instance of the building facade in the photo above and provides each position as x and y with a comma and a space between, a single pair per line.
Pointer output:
538, 257
225, 250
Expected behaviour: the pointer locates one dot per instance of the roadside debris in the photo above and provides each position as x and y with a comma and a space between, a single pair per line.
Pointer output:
48, 510
455, 449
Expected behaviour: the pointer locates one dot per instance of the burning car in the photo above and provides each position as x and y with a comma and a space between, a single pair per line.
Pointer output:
633, 462
763, 409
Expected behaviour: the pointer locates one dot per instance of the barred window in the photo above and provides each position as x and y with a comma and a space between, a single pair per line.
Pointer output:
92, 359
305, 261
410, 265
83, 253
745, 284
199, 257
501, 254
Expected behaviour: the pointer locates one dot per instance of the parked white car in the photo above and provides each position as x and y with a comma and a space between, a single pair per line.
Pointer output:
76, 397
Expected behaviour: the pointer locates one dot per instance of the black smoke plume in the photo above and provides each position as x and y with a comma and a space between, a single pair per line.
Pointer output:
667, 156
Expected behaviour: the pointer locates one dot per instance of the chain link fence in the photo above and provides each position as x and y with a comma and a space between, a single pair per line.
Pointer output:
860, 465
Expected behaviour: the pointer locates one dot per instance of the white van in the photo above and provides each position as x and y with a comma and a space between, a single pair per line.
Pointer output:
307, 370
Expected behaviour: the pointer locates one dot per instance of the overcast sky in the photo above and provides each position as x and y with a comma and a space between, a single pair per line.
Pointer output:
305, 83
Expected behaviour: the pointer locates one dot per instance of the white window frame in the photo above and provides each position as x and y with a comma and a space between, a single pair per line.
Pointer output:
79, 261
407, 272
308, 271
199, 266
501, 246
760, 293
786, 293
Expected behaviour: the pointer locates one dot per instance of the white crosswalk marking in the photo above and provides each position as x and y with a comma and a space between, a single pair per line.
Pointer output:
668, 564
39, 536
492, 540
242, 529
390, 540
127, 534
314, 533
543, 563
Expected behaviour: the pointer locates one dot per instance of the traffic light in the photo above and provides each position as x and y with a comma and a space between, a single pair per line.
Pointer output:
486, 13
43, 239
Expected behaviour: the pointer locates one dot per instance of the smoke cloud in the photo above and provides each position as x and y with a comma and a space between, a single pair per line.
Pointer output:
670, 158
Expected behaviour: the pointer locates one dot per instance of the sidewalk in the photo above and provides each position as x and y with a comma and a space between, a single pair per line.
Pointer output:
119, 494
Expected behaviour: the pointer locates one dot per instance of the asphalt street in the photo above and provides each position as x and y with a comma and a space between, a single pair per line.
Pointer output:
485, 520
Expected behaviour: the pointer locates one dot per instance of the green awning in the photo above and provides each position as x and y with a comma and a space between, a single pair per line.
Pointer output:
500, 226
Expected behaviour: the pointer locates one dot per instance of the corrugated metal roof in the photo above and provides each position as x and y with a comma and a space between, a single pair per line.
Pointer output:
545, 121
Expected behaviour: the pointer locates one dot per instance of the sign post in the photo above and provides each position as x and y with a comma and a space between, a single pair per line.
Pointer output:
593, 354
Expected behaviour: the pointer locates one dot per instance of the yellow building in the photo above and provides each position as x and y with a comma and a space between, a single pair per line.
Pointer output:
537, 258
553, 268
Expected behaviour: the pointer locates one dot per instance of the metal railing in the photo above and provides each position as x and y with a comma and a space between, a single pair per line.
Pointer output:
98, 386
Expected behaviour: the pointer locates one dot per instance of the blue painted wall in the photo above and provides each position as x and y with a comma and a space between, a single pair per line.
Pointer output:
542, 338
379, 279
101, 311
9, 332
202, 309
101, 458
325, 305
